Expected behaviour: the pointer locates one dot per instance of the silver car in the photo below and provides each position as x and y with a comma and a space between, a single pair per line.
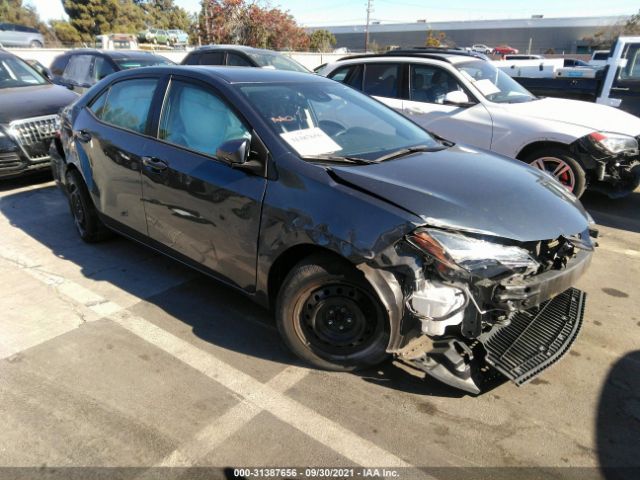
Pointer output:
12, 35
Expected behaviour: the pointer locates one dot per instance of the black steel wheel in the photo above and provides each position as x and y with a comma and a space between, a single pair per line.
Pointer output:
85, 217
329, 316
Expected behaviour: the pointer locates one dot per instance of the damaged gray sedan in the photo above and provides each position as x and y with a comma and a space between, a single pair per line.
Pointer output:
366, 235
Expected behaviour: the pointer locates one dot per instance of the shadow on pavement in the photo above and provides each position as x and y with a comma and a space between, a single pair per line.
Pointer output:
216, 313
621, 213
24, 181
618, 421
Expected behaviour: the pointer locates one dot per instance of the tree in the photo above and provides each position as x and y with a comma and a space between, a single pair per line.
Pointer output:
246, 22
322, 41
435, 39
13, 11
604, 39
64, 32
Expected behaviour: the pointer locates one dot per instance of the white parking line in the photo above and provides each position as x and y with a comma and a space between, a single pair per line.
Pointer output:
225, 426
263, 396
255, 395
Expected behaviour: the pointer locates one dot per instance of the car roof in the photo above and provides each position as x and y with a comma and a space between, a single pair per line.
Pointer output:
242, 48
232, 74
411, 57
129, 54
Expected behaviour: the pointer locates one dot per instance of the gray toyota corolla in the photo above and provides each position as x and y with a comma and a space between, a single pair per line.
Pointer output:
366, 235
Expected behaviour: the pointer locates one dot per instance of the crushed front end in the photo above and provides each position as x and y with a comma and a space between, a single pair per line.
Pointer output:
487, 305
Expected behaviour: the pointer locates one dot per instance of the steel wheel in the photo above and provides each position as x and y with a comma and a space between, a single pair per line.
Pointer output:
77, 209
339, 319
557, 167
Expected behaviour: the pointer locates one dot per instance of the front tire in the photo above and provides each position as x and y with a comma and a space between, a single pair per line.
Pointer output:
329, 316
559, 163
35, 44
85, 216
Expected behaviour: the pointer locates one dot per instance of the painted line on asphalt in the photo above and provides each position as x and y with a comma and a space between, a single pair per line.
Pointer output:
262, 396
225, 426
331, 434
622, 251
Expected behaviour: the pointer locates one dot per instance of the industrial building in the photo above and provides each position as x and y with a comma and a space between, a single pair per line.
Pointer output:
562, 35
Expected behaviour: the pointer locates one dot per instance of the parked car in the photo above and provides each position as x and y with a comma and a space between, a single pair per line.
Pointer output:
38, 67
154, 35
466, 99
599, 58
504, 50
29, 105
116, 41
12, 35
79, 69
482, 48
363, 232
178, 37
240, 56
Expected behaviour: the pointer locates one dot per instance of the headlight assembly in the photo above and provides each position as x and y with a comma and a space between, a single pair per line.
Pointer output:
614, 142
459, 251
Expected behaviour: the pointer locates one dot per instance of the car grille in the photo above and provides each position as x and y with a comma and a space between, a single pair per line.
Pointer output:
536, 338
35, 135
9, 161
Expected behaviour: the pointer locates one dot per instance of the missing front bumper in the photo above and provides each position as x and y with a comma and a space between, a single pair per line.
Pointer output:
533, 341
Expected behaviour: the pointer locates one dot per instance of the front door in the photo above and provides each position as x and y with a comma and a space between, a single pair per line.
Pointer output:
470, 124
196, 204
626, 85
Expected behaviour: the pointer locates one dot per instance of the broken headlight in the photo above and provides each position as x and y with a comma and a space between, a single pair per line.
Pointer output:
459, 251
614, 142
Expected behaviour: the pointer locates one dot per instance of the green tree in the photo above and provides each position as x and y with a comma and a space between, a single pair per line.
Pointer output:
435, 39
14, 11
164, 14
64, 33
322, 41
97, 17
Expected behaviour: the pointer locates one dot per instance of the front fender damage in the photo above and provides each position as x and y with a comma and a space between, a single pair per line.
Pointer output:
471, 331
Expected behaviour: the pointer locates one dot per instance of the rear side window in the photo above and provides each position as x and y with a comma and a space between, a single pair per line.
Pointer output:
197, 119
193, 59
128, 103
78, 69
382, 79
350, 75
236, 60
59, 64
211, 58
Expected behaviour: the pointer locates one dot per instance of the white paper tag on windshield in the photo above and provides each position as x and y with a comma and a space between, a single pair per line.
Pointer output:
311, 141
486, 87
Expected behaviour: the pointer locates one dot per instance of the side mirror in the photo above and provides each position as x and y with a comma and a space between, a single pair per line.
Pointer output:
456, 98
235, 152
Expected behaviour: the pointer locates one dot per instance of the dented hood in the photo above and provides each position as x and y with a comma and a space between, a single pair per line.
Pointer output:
475, 191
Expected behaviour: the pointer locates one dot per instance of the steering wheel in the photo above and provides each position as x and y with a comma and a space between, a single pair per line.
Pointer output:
331, 128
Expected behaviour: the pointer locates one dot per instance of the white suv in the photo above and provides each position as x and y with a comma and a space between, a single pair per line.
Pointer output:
465, 99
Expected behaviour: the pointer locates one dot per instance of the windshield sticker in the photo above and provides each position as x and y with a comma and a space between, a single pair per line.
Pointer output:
311, 141
486, 87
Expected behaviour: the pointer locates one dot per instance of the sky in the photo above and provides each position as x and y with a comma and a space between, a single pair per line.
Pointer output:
347, 12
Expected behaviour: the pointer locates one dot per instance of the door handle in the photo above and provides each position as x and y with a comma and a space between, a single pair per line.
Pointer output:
83, 135
620, 89
154, 163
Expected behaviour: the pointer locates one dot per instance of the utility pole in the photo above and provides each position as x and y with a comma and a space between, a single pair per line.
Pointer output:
366, 28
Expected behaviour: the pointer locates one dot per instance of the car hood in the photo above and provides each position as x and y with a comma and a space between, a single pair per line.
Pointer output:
35, 101
592, 116
473, 191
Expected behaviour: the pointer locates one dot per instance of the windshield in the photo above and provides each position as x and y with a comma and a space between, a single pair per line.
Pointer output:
277, 61
14, 72
495, 85
127, 63
329, 118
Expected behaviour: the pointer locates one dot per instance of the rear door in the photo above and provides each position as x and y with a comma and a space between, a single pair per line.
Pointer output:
383, 81
196, 204
428, 85
111, 138
626, 84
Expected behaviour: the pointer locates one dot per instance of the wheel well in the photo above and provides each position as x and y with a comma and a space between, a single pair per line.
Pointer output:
532, 147
287, 260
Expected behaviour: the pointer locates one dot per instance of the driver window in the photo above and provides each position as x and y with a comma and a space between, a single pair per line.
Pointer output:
430, 84
197, 119
631, 72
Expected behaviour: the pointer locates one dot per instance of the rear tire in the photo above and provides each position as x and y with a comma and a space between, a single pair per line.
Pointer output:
35, 44
559, 163
330, 317
85, 216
